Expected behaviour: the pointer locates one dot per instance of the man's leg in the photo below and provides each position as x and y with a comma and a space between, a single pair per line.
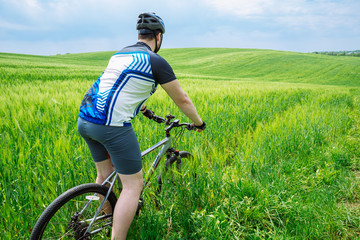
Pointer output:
104, 169
127, 204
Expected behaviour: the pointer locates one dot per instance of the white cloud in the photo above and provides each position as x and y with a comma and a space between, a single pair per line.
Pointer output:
29, 8
64, 11
314, 15
254, 8
91, 25
228, 36
13, 26
79, 45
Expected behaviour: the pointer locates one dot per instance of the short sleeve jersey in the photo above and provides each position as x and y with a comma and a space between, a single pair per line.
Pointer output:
130, 78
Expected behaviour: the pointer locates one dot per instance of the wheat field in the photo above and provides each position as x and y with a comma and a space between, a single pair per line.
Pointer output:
280, 158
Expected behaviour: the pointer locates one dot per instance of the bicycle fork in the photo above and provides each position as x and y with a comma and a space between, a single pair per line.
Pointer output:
171, 156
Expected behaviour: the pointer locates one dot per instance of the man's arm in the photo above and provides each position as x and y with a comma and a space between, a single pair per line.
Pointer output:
182, 100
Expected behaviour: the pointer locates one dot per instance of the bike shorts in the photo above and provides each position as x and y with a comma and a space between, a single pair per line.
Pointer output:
119, 142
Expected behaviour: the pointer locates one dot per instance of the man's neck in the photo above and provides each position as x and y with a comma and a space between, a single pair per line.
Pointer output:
151, 44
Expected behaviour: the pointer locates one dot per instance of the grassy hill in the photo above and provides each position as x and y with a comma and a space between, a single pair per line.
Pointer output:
265, 65
202, 63
280, 158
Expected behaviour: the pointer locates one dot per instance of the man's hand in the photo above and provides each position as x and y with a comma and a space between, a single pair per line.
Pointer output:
147, 113
199, 128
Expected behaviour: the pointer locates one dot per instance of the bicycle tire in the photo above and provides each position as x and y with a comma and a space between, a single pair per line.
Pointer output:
61, 219
185, 154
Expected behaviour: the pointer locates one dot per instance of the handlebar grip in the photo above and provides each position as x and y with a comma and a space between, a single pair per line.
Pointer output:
148, 113
190, 127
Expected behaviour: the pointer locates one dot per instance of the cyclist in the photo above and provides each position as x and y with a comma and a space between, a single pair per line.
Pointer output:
118, 95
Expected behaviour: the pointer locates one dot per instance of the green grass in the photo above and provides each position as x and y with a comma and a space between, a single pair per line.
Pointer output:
278, 160
264, 65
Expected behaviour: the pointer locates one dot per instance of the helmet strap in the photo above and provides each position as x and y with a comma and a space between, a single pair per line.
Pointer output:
157, 48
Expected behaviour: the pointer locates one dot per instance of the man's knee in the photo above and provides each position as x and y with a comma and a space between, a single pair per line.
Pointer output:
132, 182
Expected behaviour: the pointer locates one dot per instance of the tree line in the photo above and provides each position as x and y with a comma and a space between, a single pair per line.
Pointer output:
354, 53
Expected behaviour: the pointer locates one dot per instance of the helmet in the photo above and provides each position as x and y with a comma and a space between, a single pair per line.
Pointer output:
150, 21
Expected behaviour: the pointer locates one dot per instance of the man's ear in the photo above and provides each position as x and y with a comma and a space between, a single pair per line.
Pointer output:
158, 37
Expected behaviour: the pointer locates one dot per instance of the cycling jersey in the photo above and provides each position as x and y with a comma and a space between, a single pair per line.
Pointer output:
130, 78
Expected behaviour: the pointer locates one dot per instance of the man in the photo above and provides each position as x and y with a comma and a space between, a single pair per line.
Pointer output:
130, 78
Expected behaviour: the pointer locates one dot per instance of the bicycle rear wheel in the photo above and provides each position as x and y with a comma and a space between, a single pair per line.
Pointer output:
70, 214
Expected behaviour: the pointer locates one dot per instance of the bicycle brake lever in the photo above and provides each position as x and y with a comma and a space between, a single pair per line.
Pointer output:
169, 116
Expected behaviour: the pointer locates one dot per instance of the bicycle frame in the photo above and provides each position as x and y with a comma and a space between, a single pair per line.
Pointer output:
83, 225
165, 144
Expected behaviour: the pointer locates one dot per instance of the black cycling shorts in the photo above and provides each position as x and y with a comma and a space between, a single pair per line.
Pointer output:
119, 142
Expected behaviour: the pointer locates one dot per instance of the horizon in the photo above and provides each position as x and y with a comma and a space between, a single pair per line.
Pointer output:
60, 54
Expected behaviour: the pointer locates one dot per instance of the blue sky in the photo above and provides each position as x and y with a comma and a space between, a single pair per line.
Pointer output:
47, 27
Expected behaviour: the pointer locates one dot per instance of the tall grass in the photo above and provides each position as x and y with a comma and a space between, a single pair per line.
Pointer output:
277, 160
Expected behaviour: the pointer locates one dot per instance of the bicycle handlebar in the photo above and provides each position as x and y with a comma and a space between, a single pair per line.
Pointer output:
172, 124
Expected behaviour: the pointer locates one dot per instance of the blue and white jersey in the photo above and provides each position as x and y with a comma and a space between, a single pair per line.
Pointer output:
130, 78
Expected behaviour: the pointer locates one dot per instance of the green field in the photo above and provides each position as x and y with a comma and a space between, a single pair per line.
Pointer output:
280, 158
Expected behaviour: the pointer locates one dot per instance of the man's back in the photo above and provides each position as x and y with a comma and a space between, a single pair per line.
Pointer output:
130, 78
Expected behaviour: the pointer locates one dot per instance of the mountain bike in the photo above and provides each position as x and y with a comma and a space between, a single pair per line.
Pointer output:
85, 211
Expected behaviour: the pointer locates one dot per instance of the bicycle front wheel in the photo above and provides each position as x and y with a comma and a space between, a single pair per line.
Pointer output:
69, 215
169, 162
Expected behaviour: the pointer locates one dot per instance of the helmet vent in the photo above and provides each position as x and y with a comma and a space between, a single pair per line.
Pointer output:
150, 21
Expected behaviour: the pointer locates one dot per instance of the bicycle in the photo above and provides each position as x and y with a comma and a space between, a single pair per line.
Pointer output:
85, 211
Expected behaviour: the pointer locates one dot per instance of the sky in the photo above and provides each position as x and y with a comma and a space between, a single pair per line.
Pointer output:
49, 27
